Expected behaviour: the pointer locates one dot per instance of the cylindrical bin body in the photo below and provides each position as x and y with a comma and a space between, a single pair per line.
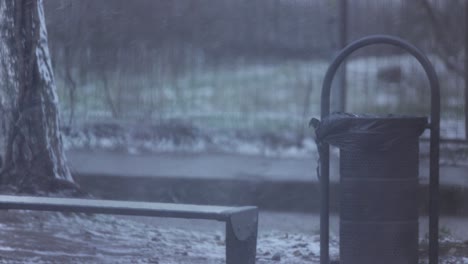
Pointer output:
378, 187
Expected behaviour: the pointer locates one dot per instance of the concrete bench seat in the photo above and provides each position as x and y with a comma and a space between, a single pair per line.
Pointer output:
241, 222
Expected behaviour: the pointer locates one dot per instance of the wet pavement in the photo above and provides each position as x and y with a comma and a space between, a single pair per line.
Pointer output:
226, 166
272, 183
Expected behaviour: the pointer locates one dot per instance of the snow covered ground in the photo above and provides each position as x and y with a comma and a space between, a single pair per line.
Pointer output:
183, 137
266, 95
253, 110
179, 137
52, 238
37, 237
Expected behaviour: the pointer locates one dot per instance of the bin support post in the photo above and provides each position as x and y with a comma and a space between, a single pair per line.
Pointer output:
324, 203
434, 190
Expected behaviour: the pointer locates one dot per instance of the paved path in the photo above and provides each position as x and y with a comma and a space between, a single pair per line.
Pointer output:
203, 166
225, 166
285, 184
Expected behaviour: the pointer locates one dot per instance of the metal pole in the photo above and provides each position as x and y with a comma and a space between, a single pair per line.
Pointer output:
342, 41
466, 70
325, 149
324, 203
434, 140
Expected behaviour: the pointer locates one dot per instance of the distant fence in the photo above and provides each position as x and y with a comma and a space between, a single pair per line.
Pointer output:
250, 64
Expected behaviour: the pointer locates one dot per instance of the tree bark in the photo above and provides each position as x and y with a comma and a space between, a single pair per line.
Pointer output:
34, 155
71, 85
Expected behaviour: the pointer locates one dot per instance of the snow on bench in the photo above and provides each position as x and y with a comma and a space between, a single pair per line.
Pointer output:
241, 222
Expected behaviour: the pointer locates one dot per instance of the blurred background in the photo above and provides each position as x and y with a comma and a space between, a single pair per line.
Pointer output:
200, 74
200, 101
207, 102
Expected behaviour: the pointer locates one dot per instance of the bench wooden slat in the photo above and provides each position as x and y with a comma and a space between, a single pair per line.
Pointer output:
219, 213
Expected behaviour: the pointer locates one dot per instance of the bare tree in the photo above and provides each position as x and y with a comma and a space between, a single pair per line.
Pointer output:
448, 32
449, 23
34, 155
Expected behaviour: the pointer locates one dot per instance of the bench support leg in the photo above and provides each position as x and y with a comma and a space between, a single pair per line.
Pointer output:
241, 238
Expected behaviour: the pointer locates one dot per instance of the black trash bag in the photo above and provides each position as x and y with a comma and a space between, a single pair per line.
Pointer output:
368, 132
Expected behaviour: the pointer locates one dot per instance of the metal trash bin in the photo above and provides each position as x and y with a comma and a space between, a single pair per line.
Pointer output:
379, 161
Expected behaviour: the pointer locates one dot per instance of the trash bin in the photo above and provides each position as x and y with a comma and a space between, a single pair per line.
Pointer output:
379, 161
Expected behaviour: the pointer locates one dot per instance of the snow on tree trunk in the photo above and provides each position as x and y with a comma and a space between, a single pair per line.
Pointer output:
7, 86
34, 155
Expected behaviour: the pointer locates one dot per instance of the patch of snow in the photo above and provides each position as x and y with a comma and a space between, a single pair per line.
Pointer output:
106, 143
248, 149
49, 253
383, 99
4, 248
452, 128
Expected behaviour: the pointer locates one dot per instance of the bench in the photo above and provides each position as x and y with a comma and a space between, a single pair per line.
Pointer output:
241, 222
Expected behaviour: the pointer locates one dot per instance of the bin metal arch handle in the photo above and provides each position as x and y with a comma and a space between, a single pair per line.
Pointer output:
434, 127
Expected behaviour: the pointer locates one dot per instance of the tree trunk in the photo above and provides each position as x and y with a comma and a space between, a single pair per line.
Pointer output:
34, 155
